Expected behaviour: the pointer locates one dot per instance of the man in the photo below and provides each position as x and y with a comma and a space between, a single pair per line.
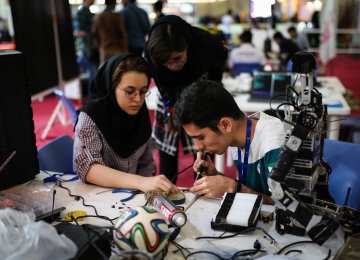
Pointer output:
137, 25
211, 117
88, 60
157, 8
298, 38
287, 48
247, 52
109, 32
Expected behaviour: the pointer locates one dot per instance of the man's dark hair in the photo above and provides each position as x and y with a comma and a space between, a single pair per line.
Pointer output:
110, 2
204, 103
246, 36
291, 29
158, 6
164, 39
278, 35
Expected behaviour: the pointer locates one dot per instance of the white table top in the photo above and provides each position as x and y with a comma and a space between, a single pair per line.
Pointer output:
332, 90
337, 104
198, 224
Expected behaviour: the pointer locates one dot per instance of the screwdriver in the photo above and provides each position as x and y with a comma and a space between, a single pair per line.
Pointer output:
200, 168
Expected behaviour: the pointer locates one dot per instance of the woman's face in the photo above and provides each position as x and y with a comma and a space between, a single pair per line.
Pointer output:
176, 61
131, 91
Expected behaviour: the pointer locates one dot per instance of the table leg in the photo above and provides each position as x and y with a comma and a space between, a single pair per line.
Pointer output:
333, 127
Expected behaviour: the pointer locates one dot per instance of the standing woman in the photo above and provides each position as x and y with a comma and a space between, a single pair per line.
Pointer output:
112, 146
179, 54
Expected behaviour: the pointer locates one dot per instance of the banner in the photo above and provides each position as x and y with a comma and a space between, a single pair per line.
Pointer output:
327, 49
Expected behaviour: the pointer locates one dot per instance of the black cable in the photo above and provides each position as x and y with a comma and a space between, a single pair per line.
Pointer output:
83, 202
77, 196
244, 253
53, 205
237, 233
328, 256
205, 252
178, 173
293, 244
293, 251
88, 229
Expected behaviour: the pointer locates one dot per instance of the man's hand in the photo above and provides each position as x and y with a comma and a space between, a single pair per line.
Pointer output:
208, 165
214, 186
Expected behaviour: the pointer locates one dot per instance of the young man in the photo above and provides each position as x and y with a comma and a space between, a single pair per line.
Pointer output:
211, 117
246, 52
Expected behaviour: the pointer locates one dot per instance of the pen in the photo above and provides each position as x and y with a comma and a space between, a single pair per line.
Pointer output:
200, 168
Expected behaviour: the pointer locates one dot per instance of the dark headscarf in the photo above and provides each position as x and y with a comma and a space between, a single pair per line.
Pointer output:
124, 133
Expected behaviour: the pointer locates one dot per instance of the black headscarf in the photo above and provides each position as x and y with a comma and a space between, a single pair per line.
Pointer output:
124, 133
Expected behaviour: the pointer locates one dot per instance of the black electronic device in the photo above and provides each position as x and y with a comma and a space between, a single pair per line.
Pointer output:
268, 86
18, 153
92, 242
261, 87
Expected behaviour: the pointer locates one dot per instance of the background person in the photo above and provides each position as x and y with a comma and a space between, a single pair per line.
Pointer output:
89, 56
109, 32
246, 52
179, 54
210, 115
112, 146
287, 48
137, 25
298, 38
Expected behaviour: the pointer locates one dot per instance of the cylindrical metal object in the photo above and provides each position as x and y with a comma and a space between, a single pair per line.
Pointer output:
175, 216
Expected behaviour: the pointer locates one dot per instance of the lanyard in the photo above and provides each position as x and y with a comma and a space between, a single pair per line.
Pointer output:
242, 167
167, 109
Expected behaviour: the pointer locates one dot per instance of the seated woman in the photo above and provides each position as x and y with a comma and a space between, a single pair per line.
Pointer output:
112, 146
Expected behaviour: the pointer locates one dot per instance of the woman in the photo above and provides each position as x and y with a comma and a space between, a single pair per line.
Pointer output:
112, 146
179, 54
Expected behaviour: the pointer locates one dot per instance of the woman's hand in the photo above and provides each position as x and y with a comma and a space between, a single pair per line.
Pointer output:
158, 182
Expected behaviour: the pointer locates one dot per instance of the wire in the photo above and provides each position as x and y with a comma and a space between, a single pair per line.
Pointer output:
328, 256
245, 253
238, 233
178, 173
179, 248
293, 251
204, 252
293, 244
83, 202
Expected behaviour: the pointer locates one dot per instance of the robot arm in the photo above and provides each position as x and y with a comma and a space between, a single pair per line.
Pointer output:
297, 216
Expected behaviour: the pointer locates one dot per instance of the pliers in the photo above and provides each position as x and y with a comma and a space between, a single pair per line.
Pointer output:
131, 192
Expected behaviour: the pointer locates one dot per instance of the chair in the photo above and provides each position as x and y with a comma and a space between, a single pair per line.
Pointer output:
63, 100
68, 104
57, 155
343, 158
243, 67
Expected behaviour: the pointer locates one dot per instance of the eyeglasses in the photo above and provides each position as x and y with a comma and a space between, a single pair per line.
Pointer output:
175, 62
132, 93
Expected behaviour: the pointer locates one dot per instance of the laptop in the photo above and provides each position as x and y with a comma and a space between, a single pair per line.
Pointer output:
267, 85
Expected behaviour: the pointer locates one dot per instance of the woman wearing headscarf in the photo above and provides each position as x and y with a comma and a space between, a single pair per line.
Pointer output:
112, 146
179, 55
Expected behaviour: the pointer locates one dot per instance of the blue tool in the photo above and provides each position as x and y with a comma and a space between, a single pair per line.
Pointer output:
131, 192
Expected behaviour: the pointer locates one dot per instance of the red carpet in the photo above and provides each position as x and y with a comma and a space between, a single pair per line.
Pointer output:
42, 111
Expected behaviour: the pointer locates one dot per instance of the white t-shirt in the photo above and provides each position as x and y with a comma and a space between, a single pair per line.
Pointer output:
246, 53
